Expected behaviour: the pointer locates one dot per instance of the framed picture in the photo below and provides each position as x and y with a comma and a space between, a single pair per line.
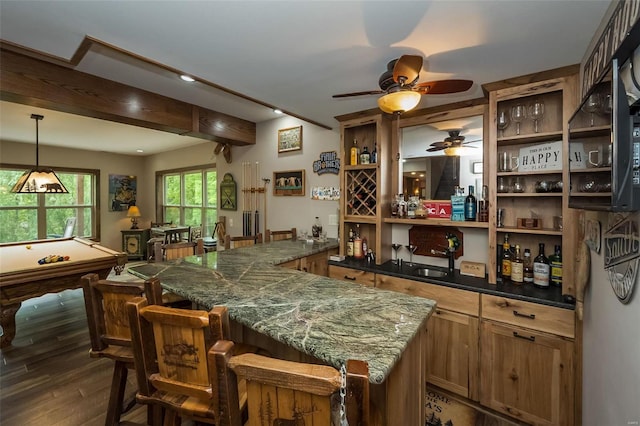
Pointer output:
122, 192
290, 182
290, 139
476, 168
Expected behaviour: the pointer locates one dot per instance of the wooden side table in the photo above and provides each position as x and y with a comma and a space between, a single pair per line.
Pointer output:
134, 243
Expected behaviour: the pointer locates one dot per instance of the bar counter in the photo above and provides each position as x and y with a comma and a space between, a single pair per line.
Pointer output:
327, 319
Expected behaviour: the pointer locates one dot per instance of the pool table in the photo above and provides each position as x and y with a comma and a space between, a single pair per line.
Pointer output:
22, 277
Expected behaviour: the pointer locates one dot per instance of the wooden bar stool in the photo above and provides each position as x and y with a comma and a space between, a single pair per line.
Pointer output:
170, 349
287, 392
109, 331
242, 241
287, 234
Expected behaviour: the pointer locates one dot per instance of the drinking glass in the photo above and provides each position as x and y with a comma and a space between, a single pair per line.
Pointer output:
518, 114
536, 111
395, 248
412, 249
591, 106
503, 121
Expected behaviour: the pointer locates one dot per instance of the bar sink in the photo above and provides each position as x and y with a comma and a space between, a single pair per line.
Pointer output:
430, 272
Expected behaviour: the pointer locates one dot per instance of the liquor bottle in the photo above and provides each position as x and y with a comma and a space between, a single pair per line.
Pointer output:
506, 260
365, 246
527, 267
555, 261
316, 229
470, 206
350, 244
357, 244
483, 205
541, 269
517, 267
365, 157
355, 153
374, 154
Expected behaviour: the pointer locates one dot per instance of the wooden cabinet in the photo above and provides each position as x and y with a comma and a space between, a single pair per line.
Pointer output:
366, 195
353, 275
452, 334
134, 243
529, 167
317, 264
527, 363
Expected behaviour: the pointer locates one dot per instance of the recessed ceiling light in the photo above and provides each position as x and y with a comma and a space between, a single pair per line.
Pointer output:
277, 111
139, 150
187, 78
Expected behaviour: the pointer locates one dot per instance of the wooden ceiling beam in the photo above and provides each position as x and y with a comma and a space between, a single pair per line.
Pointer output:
31, 81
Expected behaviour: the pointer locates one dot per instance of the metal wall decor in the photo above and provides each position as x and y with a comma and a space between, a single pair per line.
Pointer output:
622, 253
328, 163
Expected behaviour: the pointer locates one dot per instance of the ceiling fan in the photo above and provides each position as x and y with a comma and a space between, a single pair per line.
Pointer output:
450, 143
401, 90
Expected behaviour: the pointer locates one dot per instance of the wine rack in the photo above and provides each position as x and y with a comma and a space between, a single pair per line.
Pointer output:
361, 192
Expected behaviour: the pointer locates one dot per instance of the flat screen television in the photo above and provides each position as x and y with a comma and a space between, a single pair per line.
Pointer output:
604, 143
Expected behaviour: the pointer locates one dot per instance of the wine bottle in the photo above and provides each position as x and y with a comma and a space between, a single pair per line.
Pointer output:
470, 206
506, 260
365, 157
517, 267
541, 269
316, 229
527, 267
483, 205
555, 261
374, 154
355, 153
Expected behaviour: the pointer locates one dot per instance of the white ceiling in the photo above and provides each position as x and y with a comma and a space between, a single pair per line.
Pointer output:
289, 54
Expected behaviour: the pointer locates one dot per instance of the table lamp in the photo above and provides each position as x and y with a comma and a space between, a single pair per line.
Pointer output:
134, 214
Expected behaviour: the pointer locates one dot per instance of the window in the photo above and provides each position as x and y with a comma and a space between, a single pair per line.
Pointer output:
189, 197
26, 217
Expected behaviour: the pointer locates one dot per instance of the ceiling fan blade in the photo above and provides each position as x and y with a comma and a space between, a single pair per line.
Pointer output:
407, 69
436, 149
443, 87
369, 92
441, 143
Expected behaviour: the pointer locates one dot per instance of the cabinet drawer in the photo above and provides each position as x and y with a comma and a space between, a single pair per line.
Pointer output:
353, 275
453, 299
530, 315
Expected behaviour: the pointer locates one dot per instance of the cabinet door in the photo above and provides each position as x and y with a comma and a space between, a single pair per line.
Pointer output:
353, 275
452, 348
317, 264
526, 375
292, 264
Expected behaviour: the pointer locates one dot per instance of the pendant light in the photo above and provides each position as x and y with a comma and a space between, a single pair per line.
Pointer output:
39, 179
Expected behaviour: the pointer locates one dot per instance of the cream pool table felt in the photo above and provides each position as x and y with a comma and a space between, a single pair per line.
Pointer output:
22, 277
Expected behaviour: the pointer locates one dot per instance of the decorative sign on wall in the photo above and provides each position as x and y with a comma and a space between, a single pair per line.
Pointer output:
325, 193
548, 156
228, 193
622, 253
290, 139
328, 163
122, 192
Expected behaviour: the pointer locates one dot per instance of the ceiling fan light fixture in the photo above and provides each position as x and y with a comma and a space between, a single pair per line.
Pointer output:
455, 151
39, 179
399, 102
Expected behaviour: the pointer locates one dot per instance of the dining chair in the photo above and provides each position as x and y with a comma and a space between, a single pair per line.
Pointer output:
241, 241
287, 234
195, 232
288, 392
174, 374
109, 331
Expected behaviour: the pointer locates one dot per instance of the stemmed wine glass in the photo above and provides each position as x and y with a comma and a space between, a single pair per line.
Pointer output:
536, 111
518, 114
503, 121
395, 248
591, 106
412, 248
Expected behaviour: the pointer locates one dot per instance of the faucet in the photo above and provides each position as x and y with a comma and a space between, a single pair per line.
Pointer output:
452, 244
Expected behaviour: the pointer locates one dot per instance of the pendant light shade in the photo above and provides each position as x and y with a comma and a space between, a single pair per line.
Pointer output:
399, 102
39, 179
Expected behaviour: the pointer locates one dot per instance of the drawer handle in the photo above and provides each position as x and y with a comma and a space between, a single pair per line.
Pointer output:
520, 336
347, 277
530, 316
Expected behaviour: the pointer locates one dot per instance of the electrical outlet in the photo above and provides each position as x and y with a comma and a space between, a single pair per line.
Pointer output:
230, 223
333, 219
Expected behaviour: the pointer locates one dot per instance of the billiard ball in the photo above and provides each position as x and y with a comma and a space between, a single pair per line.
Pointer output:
28, 247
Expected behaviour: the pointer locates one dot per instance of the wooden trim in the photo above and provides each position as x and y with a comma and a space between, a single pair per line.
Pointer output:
531, 78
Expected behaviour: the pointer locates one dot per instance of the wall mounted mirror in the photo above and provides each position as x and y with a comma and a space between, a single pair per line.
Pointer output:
436, 156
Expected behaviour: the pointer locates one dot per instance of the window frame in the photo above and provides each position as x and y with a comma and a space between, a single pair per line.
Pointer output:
41, 208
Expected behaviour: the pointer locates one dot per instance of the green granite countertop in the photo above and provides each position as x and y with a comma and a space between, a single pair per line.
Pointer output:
329, 319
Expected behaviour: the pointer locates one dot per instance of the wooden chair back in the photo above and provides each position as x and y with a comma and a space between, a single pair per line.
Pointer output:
173, 236
177, 250
170, 349
109, 330
160, 224
195, 232
241, 241
287, 234
288, 392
